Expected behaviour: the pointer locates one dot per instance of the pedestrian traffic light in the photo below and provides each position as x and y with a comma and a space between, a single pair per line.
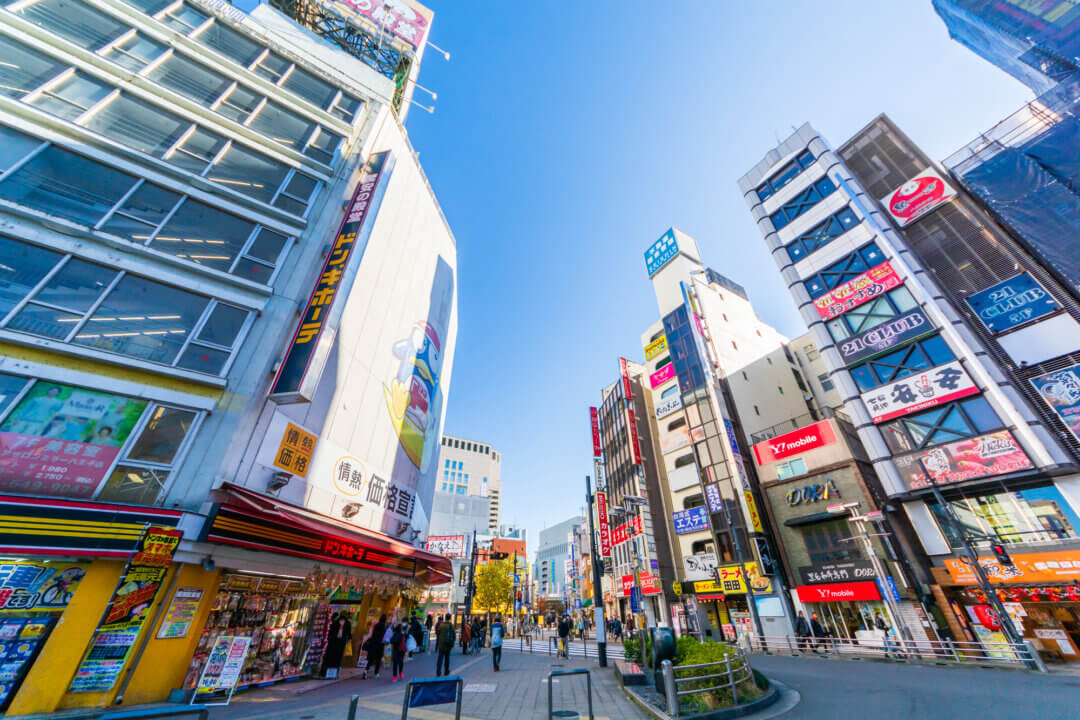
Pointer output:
1002, 555
519, 597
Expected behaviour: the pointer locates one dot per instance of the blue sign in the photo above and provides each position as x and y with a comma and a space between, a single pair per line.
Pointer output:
661, 252
892, 588
1012, 302
1061, 391
692, 520
731, 436
635, 599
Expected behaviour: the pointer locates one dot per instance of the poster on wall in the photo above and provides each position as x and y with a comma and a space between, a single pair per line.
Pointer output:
920, 391
181, 613
21, 639
451, 546
1011, 303
920, 195
126, 613
995, 453
860, 289
700, 567
62, 440
1061, 391
222, 671
38, 585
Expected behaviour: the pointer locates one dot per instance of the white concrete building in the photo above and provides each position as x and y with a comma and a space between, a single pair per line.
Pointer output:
469, 467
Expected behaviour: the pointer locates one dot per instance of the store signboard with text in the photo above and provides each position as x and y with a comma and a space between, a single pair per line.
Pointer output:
594, 422
689, 521
839, 592
918, 196
604, 526
996, 453
668, 406
732, 581
1011, 303
451, 546
920, 391
1047, 567
825, 573
885, 336
700, 567
663, 375
38, 585
661, 252
655, 347
796, 442
876, 281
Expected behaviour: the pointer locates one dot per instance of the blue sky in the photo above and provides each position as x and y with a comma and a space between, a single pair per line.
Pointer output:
568, 136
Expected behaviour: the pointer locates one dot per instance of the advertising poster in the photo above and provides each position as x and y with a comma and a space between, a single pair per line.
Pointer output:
864, 288
1046, 567
451, 546
124, 616
701, 566
918, 196
594, 422
61, 440
605, 528
751, 507
674, 440
920, 391
1061, 391
731, 581
624, 372
222, 670
181, 613
21, 639
38, 586
795, 442
1012, 303
884, 337
635, 445
650, 584
666, 407
996, 453
692, 520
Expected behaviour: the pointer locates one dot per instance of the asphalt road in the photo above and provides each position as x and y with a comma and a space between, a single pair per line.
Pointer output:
838, 689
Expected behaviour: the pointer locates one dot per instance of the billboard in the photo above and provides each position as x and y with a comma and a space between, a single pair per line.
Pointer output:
1011, 303
798, 441
663, 375
594, 420
700, 567
935, 386
605, 528
884, 337
860, 289
674, 440
655, 347
995, 453
661, 252
635, 445
692, 520
451, 546
1061, 391
668, 406
1045, 567
918, 196
406, 22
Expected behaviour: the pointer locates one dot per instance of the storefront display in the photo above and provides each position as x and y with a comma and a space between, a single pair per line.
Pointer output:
21, 639
1047, 615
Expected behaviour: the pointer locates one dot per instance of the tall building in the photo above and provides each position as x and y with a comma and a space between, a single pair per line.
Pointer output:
891, 269
553, 558
467, 467
199, 207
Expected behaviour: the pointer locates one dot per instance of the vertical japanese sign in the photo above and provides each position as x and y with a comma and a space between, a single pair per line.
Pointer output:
594, 419
605, 528
221, 671
632, 431
625, 373
126, 613
289, 384
295, 450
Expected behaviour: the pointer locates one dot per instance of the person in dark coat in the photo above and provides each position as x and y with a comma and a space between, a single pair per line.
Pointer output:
375, 648
817, 631
802, 631
337, 637
444, 643
427, 630
466, 637
398, 641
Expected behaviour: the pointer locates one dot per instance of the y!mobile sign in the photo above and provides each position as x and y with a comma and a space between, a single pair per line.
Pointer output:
864, 288
605, 528
918, 196
839, 592
594, 419
813, 436
936, 386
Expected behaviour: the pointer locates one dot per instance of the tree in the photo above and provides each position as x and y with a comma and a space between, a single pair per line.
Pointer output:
494, 583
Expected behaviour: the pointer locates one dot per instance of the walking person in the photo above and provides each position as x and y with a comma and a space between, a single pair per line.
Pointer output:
376, 648
444, 644
398, 648
337, 637
802, 632
476, 634
428, 625
496, 642
564, 636
817, 631
466, 637
416, 634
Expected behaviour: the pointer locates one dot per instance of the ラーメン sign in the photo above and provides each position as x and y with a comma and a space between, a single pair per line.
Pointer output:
864, 288
918, 196
1011, 303
935, 386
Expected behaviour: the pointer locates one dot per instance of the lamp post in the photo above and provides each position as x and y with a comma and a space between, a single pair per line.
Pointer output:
598, 601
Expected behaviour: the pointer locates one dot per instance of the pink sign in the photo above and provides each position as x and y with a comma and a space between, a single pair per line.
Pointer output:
396, 16
47, 466
864, 288
793, 443
594, 419
662, 375
996, 453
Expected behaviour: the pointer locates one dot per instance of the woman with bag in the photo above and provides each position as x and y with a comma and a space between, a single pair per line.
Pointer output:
338, 637
399, 643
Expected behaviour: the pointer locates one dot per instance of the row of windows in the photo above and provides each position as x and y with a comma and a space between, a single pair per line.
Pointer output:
908, 360
944, 424
469, 446
65, 298
803, 202
822, 234
785, 175
47, 178
846, 268
95, 31
66, 92
881, 309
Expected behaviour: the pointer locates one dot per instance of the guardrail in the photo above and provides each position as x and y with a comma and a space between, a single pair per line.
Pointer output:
903, 650
733, 671
564, 673
586, 649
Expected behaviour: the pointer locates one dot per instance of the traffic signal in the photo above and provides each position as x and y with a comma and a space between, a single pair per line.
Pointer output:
499, 555
1002, 555
519, 597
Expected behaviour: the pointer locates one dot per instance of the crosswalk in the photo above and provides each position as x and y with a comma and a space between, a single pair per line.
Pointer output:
548, 646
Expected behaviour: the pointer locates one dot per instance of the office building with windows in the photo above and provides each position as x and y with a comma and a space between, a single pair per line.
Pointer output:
467, 467
552, 564
199, 209
890, 298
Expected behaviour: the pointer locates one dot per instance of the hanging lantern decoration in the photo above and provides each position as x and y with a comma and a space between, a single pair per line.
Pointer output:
1054, 594
1034, 594
1073, 593
987, 617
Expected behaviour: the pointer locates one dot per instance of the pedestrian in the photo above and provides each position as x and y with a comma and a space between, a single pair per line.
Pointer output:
416, 633
618, 629
817, 631
338, 636
581, 628
802, 631
428, 625
475, 635
887, 631
444, 644
496, 642
466, 636
376, 648
398, 649
564, 636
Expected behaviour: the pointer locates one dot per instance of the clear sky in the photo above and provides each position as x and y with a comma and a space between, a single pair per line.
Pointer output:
567, 136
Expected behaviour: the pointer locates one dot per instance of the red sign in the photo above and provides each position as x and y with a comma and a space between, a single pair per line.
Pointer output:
633, 437
626, 531
625, 378
839, 592
996, 453
594, 418
875, 281
48, 466
650, 584
917, 197
627, 585
605, 528
813, 436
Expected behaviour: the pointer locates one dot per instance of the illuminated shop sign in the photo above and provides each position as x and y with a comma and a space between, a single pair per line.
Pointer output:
918, 196
995, 453
796, 442
920, 391
861, 289
884, 337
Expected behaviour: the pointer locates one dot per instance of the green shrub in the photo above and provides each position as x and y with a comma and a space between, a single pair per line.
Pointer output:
632, 650
690, 651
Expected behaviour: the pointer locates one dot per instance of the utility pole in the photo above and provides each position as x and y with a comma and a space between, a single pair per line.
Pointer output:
598, 600
470, 588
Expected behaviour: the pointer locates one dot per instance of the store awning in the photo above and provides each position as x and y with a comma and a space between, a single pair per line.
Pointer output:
250, 519
808, 519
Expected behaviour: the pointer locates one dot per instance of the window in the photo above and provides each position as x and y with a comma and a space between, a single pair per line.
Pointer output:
150, 7
825, 542
1035, 515
297, 193
665, 361
203, 235
75, 21
677, 423
138, 125
273, 67
684, 460
23, 69
780, 389
882, 309
310, 88
134, 52
64, 300
846, 268
673, 390
693, 501
785, 174
802, 203
908, 360
826, 383
944, 424
822, 234
71, 95
701, 546
798, 380
190, 79
249, 172
22, 268
283, 126
790, 468
184, 19
230, 43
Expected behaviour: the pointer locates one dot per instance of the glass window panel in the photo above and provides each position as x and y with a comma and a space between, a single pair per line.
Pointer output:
203, 359
223, 325
272, 67
14, 146
160, 440
72, 96
184, 19
134, 485
981, 414
150, 7
190, 79
323, 146
66, 185
267, 245
346, 107
283, 126
135, 52
138, 125
204, 235
248, 172
47, 322
310, 87
77, 285
150, 203
239, 104
23, 69
253, 270
937, 350
22, 267
143, 319
75, 21
197, 151
230, 43
129, 228
296, 195
10, 387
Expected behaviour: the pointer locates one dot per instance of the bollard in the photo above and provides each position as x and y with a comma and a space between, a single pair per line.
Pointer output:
352, 707
669, 688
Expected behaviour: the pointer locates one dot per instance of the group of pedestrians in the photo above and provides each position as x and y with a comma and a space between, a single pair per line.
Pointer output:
810, 634
473, 636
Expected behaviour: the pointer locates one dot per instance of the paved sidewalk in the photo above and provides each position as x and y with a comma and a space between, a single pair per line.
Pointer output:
518, 690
